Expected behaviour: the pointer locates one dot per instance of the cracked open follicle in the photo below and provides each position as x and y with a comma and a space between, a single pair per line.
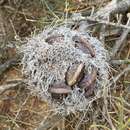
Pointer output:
59, 61
74, 74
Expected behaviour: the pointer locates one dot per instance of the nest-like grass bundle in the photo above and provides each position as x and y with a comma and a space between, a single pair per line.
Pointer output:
66, 67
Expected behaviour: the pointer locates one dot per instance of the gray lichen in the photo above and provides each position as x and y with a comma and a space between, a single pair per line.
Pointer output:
45, 63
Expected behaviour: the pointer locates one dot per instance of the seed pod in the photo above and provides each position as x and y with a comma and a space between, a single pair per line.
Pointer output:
60, 88
83, 44
54, 38
88, 79
74, 74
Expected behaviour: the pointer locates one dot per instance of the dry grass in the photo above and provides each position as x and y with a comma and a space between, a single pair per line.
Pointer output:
21, 111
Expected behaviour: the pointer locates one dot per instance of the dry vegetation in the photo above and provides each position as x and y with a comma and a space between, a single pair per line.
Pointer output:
20, 110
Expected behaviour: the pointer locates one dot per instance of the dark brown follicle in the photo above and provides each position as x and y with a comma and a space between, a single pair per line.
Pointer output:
60, 88
74, 74
88, 81
84, 45
54, 38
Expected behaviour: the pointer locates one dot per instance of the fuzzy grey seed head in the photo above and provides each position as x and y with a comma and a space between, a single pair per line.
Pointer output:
46, 58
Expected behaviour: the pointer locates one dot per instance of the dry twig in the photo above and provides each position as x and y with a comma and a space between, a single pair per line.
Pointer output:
6, 87
127, 69
119, 62
100, 21
121, 40
113, 7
